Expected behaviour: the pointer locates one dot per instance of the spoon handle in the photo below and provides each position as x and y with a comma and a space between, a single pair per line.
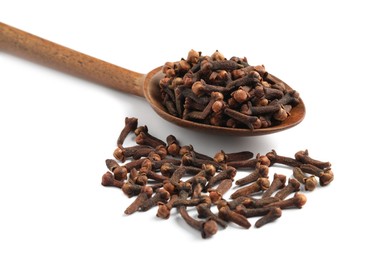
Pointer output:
34, 48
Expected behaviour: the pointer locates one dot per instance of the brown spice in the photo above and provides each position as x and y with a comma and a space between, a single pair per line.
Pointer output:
188, 87
168, 175
261, 184
273, 214
230, 216
309, 182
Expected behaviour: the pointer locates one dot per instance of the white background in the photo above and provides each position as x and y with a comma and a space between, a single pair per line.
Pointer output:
57, 130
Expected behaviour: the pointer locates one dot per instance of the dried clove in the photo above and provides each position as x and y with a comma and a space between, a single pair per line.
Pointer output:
165, 208
261, 184
277, 183
160, 196
131, 189
292, 186
199, 184
274, 158
261, 202
273, 214
251, 212
303, 157
222, 157
145, 194
325, 176
309, 182
109, 180
189, 148
204, 211
168, 175
248, 163
223, 187
297, 201
173, 147
190, 159
120, 173
188, 86
191, 202
228, 173
228, 215
130, 125
261, 171
247, 120
234, 203
207, 228
145, 138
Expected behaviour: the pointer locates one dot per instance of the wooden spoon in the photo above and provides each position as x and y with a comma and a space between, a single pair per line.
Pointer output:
34, 48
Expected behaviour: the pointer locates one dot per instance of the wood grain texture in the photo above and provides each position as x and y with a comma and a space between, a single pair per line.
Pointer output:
45, 52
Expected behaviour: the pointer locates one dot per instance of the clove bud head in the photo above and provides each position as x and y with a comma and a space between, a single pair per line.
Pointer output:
299, 200
310, 183
326, 177
209, 228
163, 211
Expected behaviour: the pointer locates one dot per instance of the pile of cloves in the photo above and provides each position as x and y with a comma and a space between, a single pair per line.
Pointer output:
228, 93
171, 177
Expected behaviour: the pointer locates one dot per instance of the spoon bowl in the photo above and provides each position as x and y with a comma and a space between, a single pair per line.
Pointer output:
31, 47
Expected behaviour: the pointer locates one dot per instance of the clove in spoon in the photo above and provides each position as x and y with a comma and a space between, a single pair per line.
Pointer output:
31, 47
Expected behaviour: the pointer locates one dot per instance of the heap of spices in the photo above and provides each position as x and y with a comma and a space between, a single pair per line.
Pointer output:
228, 93
171, 177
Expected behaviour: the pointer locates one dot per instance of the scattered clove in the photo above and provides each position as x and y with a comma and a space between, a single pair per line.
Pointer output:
309, 182
304, 158
160, 196
145, 194
130, 125
261, 184
170, 176
292, 186
325, 176
297, 201
109, 180
261, 171
228, 215
204, 211
273, 214
277, 183
223, 187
